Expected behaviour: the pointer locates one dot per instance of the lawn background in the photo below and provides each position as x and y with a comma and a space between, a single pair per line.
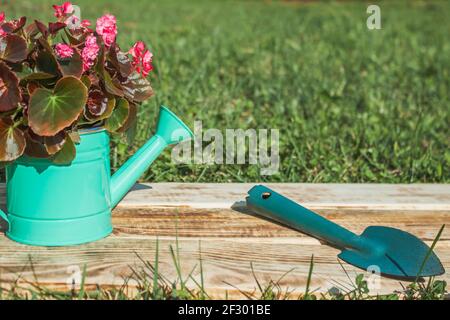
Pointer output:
352, 105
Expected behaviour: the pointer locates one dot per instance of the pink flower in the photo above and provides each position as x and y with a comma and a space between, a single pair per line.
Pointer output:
142, 58
147, 66
90, 52
137, 50
2, 19
85, 23
107, 28
63, 51
63, 10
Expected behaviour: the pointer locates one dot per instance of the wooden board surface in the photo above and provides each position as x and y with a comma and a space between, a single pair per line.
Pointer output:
213, 225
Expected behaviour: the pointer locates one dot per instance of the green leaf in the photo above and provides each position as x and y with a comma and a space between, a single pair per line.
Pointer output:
9, 89
52, 111
13, 48
67, 154
12, 141
75, 136
87, 81
113, 86
71, 66
119, 116
130, 133
131, 120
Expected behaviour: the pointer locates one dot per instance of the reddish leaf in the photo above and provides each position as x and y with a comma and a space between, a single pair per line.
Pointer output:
113, 86
53, 28
99, 103
12, 141
37, 76
13, 48
137, 88
42, 28
120, 61
71, 66
9, 89
31, 87
14, 25
31, 30
55, 143
46, 63
74, 39
35, 146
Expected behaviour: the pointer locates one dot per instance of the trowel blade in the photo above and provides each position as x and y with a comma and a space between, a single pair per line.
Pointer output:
399, 254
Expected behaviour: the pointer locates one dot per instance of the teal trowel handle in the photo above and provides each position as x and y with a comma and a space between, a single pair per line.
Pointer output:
274, 206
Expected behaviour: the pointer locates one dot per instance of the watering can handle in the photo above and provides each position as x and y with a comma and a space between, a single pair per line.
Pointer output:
269, 204
4, 216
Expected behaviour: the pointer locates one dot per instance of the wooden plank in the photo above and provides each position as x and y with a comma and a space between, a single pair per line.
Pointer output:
212, 223
328, 196
360, 196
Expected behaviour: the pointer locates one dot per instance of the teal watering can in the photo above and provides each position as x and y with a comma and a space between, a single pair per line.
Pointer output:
54, 205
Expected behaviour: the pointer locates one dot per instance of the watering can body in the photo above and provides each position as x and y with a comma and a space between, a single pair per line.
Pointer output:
56, 205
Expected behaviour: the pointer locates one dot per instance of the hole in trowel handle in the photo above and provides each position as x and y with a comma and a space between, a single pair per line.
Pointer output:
266, 195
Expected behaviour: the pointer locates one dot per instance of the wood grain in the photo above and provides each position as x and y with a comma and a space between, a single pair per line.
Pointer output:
212, 223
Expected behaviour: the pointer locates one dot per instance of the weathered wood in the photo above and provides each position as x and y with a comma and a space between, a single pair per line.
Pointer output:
328, 196
212, 223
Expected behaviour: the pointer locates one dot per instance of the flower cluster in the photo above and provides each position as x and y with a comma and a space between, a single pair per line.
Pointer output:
2, 19
106, 27
142, 58
63, 76
63, 10
63, 51
90, 52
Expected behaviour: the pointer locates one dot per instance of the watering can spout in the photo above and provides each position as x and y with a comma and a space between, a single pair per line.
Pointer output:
170, 130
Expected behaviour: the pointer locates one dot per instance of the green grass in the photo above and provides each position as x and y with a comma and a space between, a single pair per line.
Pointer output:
352, 105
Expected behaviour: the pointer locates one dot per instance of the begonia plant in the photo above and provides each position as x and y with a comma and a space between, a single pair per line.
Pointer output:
59, 78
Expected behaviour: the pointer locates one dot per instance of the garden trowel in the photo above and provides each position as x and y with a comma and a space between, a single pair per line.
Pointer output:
395, 252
